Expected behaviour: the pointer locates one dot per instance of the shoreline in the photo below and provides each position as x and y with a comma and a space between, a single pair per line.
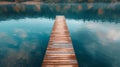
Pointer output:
33, 2
28, 2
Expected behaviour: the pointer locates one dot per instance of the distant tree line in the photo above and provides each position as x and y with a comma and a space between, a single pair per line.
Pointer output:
73, 11
64, 1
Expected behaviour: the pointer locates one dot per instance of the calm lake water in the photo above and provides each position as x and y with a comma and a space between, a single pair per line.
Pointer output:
95, 35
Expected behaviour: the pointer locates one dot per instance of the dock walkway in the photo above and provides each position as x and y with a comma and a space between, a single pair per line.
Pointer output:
60, 52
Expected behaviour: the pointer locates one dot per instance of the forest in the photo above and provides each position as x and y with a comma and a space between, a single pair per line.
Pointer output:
66, 1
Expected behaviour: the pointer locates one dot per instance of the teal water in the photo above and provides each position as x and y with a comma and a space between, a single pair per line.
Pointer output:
94, 30
23, 41
96, 44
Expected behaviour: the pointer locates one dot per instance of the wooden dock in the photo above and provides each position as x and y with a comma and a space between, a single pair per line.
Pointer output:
60, 52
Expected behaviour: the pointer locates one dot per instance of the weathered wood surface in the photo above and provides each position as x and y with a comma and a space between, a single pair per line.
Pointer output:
60, 52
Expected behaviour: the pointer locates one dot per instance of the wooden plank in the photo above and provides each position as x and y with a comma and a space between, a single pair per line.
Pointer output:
60, 65
60, 52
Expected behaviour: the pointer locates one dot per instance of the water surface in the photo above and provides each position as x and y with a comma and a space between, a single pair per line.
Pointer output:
94, 30
96, 44
23, 42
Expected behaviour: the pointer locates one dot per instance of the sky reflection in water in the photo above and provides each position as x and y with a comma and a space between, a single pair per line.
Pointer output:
96, 44
23, 42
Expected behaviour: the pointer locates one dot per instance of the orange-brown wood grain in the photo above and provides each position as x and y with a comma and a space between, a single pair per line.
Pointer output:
60, 52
